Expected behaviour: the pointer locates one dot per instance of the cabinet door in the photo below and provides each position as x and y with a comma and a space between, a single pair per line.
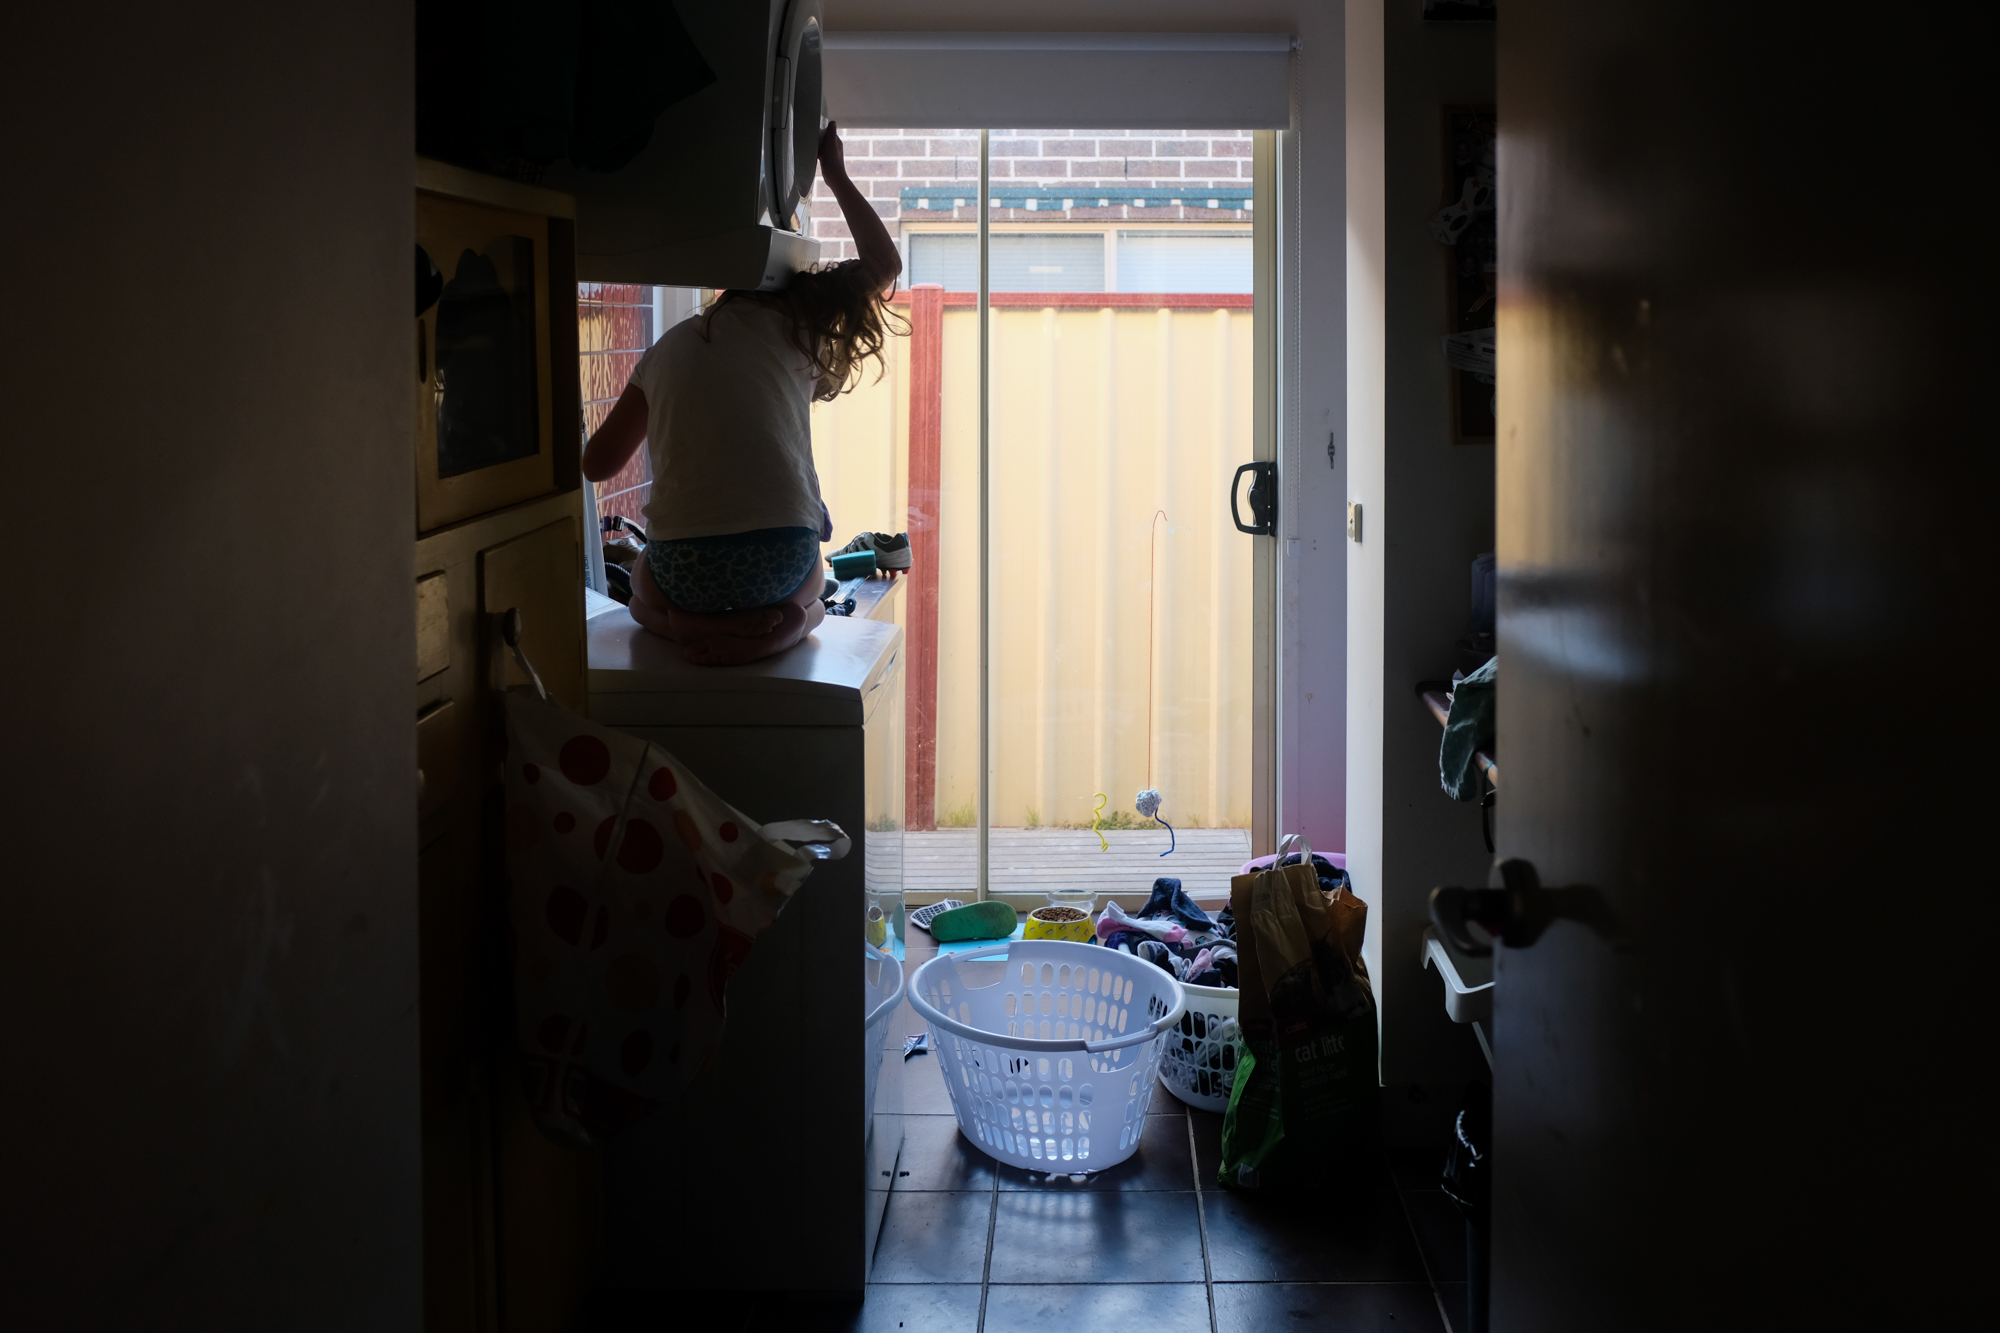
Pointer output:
548, 1195
539, 574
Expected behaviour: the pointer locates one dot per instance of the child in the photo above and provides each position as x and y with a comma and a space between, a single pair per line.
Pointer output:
732, 570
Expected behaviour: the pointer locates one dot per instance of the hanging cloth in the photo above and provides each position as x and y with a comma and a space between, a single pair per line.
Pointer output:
635, 893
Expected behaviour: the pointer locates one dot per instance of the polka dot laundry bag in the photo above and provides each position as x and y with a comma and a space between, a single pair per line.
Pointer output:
635, 892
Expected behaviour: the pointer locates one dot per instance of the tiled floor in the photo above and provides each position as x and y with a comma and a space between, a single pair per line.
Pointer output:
969, 1246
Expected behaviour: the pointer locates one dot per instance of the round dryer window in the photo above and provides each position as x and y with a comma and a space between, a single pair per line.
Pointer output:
797, 112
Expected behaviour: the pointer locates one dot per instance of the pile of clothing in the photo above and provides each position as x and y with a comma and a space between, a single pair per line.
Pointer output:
1175, 935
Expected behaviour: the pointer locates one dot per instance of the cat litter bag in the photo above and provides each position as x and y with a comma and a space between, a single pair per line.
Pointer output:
634, 893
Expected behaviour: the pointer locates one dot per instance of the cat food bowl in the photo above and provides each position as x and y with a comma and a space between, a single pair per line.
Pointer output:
1060, 923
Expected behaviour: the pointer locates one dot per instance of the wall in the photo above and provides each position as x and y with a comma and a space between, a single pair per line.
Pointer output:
883, 162
1312, 779
1432, 515
209, 965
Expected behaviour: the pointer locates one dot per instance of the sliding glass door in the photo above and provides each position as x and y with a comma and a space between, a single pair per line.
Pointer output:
1083, 518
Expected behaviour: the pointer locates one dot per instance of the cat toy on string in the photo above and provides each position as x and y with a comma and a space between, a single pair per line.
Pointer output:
1096, 818
1148, 804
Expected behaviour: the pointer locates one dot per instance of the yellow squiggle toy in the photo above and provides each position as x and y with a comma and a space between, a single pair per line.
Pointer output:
1103, 843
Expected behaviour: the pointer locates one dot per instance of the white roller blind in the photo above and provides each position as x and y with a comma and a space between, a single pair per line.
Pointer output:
1070, 80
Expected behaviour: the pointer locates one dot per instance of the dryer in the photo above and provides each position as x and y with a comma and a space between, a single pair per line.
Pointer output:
717, 198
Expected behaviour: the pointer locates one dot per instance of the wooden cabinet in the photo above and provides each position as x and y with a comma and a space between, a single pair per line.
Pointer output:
510, 1219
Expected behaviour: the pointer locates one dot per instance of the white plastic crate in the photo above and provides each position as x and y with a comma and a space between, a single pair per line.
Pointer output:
1199, 1062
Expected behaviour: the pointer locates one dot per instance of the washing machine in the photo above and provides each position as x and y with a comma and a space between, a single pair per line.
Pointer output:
774, 1170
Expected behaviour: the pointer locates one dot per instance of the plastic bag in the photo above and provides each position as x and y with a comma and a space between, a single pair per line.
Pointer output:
1307, 1078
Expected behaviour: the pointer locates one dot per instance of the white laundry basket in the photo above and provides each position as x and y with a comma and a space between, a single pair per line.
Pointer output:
1050, 1049
1199, 1063
881, 997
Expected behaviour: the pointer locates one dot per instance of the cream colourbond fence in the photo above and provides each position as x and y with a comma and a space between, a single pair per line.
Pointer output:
1121, 589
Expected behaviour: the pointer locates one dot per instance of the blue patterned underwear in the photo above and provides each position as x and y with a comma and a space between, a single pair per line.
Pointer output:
733, 572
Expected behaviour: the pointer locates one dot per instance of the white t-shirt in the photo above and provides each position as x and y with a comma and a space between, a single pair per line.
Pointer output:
728, 426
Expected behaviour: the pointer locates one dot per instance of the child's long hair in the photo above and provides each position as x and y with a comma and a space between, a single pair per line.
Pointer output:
836, 323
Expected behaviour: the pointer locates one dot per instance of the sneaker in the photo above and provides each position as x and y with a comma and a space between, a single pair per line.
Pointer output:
890, 552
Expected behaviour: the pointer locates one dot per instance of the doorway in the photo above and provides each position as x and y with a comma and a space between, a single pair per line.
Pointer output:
1085, 622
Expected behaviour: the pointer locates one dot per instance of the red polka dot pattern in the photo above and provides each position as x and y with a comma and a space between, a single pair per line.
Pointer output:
633, 982
585, 760
685, 917
640, 850
635, 1053
566, 910
522, 830
731, 948
636, 951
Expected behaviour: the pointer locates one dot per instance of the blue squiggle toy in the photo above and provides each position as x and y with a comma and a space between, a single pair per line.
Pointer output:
1148, 804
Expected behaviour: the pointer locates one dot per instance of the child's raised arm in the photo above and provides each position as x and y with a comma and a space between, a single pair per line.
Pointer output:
880, 264
618, 438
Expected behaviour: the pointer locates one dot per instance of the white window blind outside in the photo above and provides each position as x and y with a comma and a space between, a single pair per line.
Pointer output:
1155, 261
1019, 263
1072, 80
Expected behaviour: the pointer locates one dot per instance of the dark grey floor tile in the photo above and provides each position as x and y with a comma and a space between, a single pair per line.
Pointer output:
1354, 1234
1057, 1235
1147, 1307
1452, 1296
1165, 1103
938, 1236
1440, 1229
1207, 1144
1161, 1163
889, 1308
901, 1026
937, 1157
921, 1083
1345, 1307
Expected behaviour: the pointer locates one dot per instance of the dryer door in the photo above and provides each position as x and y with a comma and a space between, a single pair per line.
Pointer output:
797, 113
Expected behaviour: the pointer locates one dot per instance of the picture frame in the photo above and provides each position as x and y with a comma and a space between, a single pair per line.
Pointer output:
485, 436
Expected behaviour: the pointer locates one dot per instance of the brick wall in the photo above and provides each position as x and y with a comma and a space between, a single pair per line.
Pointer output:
882, 162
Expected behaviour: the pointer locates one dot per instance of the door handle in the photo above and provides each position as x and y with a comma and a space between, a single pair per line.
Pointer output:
1519, 910
1263, 499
